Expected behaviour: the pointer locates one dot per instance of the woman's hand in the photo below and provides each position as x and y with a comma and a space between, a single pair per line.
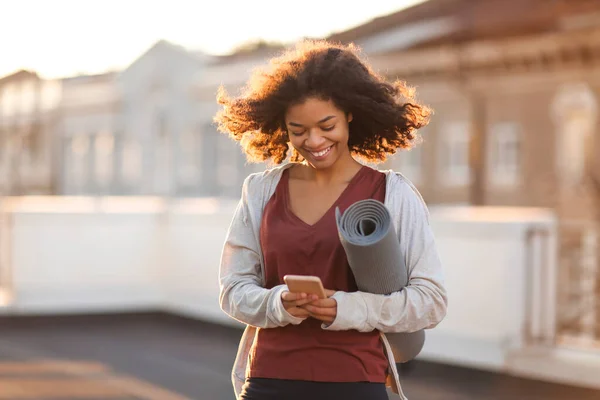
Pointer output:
323, 309
293, 303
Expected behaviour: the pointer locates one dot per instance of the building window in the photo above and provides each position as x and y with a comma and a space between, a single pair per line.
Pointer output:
132, 161
504, 166
454, 154
409, 163
189, 161
31, 141
80, 146
209, 160
571, 153
104, 144
227, 168
3, 144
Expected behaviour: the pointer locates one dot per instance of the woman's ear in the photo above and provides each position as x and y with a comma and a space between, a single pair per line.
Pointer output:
349, 118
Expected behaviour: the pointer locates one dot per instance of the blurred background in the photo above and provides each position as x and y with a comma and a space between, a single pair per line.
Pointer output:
117, 190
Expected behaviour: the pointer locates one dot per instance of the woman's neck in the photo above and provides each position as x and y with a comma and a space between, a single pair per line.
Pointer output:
341, 171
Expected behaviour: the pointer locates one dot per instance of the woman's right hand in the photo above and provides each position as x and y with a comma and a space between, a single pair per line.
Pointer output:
293, 301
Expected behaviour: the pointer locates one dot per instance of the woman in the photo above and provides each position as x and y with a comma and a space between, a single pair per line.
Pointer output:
324, 104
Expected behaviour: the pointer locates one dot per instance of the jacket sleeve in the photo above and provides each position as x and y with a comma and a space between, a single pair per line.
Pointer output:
422, 303
242, 295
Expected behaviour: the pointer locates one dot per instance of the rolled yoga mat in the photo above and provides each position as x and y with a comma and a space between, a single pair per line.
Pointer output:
368, 236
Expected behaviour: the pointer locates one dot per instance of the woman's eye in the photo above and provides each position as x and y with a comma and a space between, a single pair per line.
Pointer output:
297, 133
328, 128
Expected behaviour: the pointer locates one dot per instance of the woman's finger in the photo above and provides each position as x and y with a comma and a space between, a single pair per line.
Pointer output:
299, 312
302, 313
328, 311
323, 303
288, 304
300, 303
289, 296
329, 292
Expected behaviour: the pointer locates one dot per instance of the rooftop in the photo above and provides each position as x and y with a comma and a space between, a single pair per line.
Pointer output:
164, 357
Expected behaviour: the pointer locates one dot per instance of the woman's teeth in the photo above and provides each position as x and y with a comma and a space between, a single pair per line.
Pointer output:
321, 153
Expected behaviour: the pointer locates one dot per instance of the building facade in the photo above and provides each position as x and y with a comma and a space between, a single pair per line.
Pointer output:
514, 94
223, 164
89, 114
27, 146
136, 131
515, 97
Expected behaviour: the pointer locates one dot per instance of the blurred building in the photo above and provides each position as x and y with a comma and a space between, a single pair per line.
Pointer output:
89, 113
224, 166
160, 117
515, 86
145, 130
513, 83
132, 132
27, 146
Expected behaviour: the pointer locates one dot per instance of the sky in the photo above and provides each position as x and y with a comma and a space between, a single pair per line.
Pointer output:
59, 38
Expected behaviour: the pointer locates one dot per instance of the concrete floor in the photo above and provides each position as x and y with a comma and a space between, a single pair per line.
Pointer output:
164, 357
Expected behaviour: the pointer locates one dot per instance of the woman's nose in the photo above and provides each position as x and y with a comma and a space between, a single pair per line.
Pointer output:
314, 139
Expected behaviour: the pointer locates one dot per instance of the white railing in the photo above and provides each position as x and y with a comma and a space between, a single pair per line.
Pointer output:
79, 255
579, 290
542, 298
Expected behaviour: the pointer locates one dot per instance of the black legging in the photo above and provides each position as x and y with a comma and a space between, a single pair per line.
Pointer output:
278, 389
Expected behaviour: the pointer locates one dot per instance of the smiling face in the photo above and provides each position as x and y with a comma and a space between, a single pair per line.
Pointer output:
318, 130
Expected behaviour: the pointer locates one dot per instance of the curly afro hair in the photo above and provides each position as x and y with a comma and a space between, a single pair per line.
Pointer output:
385, 115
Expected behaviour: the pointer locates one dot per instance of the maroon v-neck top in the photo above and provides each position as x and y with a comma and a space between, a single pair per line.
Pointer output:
291, 246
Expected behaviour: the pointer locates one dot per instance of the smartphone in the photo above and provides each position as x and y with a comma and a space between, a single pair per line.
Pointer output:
305, 284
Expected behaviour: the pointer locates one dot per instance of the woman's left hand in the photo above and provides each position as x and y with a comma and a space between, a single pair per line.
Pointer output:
323, 309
